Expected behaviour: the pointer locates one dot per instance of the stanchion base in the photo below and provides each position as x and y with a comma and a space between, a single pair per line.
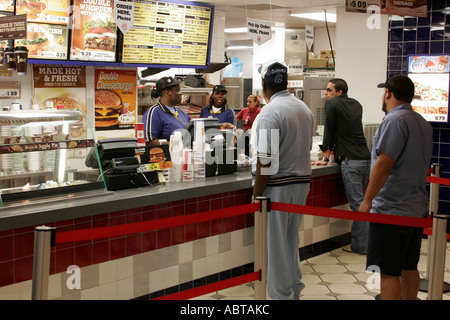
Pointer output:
424, 286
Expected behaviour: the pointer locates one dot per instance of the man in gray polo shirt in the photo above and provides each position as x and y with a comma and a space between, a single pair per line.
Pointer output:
401, 156
284, 139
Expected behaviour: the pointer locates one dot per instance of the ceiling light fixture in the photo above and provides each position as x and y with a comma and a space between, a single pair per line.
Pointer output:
331, 17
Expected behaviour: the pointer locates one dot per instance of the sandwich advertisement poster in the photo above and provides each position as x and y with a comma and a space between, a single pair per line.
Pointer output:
154, 158
93, 31
115, 99
47, 11
62, 85
45, 41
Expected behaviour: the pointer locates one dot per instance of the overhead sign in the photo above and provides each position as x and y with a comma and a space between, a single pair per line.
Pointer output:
309, 36
414, 8
259, 31
124, 15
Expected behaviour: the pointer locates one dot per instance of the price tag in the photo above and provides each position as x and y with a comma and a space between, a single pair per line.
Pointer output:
9, 93
153, 166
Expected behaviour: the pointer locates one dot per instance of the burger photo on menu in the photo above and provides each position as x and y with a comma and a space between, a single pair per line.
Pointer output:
157, 154
99, 35
33, 9
108, 108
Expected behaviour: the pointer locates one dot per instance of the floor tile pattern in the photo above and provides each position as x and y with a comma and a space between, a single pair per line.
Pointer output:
334, 275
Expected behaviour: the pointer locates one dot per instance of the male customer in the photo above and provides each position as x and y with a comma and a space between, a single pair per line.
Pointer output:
284, 140
344, 134
401, 156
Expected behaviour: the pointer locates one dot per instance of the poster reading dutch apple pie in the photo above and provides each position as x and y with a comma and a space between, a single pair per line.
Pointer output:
430, 74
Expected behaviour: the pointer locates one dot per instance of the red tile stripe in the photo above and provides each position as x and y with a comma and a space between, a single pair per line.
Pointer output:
126, 229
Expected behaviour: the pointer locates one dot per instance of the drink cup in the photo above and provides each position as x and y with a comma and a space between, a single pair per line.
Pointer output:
10, 58
21, 55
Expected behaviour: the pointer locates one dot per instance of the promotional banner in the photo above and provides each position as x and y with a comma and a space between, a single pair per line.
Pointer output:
93, 31
115, 99
124, 15
430, 74
259, 31
63, 86
414, 8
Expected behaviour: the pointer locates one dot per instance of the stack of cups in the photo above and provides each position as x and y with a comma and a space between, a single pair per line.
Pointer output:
7, 157
34, 161
139, 134
17, 158
188, 165
176, 156
199, 150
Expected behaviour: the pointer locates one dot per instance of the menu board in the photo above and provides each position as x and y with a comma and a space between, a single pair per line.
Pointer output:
45, 41
414, 8
47, 11
93, 31
430, 74
169, 33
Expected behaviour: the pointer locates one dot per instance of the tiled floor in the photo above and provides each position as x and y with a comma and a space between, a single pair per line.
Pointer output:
335, 275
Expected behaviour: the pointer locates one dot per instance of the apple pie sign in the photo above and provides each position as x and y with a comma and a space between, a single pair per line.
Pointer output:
124, 15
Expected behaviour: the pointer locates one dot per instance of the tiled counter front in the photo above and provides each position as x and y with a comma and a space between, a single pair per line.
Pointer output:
170, 259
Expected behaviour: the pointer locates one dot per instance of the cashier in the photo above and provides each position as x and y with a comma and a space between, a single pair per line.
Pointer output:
218, 108
162, 119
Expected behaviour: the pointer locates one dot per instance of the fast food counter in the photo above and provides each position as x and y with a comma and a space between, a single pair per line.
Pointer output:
82, 204
160, 259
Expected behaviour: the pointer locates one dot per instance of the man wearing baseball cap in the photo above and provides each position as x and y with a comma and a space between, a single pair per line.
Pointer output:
283, 139
217, 107
162, 119
401, 156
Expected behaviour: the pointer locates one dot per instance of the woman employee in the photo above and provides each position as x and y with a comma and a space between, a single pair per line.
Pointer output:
218, 108
249, 114
162, 119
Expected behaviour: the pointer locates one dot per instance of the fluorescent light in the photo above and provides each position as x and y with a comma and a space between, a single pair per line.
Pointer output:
239, 48
331, 17
236, 30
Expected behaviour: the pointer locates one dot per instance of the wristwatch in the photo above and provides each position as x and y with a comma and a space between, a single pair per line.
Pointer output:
325, 159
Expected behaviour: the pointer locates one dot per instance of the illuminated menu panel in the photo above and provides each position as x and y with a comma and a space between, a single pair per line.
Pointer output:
168, 33
430, 74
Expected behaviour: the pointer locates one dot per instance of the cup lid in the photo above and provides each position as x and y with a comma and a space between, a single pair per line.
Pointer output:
9, 49
21, 49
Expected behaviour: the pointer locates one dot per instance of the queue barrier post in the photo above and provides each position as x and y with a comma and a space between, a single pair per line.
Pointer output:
260, 247
437, 257
436, 245
44, 239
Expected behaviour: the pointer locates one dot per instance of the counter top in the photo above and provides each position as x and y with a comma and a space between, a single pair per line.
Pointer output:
71, 206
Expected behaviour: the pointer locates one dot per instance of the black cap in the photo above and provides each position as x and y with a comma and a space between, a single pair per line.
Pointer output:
219, 87
165, 83
274, 71
401, 86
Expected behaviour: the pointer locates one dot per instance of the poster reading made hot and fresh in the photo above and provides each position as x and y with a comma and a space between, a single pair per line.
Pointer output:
115, 99
430, 74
